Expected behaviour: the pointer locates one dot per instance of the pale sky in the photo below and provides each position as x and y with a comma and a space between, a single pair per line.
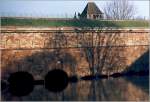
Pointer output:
59, 8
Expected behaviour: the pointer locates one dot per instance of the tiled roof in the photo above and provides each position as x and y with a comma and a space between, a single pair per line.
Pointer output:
91, 8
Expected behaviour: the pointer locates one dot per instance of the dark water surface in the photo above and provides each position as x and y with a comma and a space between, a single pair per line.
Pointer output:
113, 89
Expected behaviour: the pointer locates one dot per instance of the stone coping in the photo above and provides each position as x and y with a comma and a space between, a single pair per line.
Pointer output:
71, 29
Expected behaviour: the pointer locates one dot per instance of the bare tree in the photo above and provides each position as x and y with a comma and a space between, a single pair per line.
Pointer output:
101, 52
119, 9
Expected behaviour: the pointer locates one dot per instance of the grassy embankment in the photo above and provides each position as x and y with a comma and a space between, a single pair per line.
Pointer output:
71, 22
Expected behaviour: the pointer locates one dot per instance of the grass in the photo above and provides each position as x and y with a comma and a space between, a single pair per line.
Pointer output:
71, 22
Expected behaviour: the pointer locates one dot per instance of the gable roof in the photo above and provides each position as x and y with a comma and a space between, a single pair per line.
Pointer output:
91, 8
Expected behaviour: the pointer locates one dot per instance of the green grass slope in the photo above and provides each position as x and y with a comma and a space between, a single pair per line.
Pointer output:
71, 23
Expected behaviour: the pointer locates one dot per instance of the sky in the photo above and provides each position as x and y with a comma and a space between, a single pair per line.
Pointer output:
60, 8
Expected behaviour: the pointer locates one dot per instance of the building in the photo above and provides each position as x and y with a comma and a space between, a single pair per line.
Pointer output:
91, 11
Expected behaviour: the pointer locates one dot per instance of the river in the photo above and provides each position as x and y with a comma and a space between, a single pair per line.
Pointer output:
133, 88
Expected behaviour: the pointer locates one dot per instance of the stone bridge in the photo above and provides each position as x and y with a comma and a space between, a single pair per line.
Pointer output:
77, 51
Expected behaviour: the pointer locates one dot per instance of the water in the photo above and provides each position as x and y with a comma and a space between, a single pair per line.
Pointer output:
111, 89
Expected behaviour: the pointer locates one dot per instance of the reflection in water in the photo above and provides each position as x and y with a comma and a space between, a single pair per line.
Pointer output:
56, 80
114, 89
21, 83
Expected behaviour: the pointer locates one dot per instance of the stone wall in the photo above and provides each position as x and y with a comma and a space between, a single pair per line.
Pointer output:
38, 50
